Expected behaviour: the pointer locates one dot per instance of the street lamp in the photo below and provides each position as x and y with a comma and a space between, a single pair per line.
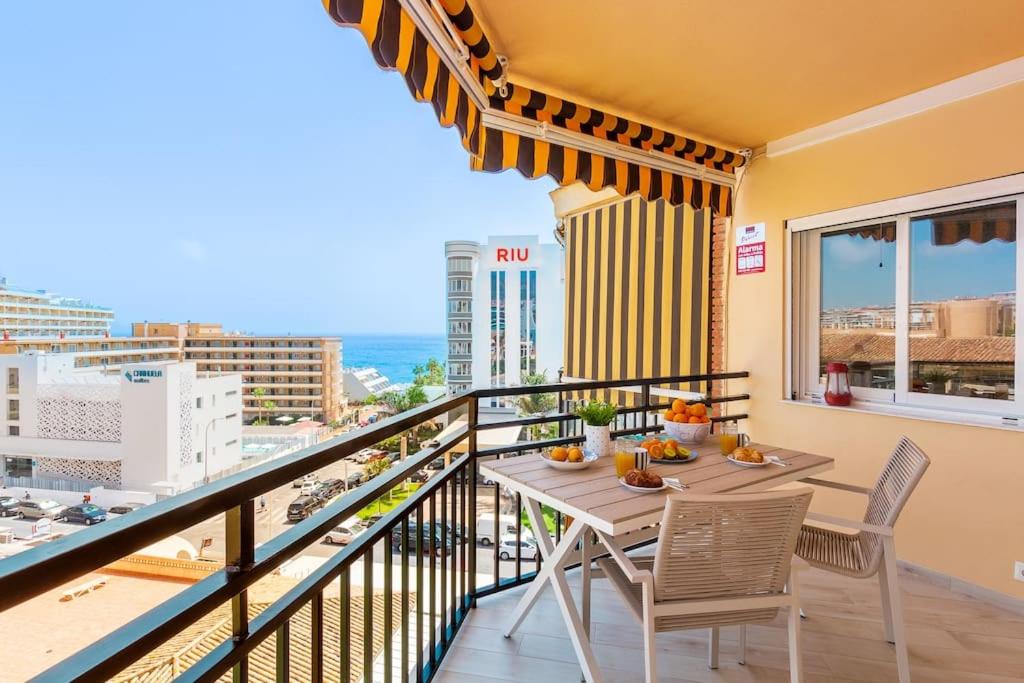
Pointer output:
206, 451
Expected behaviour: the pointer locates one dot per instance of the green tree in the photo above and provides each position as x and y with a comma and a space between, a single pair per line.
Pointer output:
371, 400
258, 393
268, 406
401, 401
431, 374
535, 405
376, 466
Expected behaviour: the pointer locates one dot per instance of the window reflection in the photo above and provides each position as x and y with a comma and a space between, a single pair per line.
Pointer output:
963, 302
858, 295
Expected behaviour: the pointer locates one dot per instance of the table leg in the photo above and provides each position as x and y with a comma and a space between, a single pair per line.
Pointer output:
554, 564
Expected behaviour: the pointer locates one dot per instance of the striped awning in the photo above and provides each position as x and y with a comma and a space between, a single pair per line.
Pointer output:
397, 43
978, 224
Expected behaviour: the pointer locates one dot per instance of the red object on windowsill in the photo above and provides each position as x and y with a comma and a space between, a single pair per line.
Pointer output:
837, 385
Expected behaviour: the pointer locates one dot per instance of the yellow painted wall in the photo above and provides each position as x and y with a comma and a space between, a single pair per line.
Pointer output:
966, 517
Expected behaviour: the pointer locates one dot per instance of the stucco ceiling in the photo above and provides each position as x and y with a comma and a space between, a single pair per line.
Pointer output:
743, 72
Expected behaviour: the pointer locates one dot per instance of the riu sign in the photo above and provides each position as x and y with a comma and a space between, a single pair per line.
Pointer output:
513, 255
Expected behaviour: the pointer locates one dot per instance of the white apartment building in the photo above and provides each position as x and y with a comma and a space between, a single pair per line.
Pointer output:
28, 314
505, 311
154, 427
361, 383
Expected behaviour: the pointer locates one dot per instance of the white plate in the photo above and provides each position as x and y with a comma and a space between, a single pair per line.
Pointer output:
588, 458
741, 463
642, 489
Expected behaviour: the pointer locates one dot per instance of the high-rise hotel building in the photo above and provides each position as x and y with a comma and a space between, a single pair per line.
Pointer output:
505, 311
301, 376
27, 315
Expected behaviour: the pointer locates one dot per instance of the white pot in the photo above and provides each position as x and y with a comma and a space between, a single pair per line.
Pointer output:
599, 439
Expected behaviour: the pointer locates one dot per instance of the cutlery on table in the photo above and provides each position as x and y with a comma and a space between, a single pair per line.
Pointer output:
776, 460
674, 483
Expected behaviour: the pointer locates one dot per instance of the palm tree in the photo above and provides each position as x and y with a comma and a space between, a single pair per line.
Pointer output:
258, 393
536, 404
269, 406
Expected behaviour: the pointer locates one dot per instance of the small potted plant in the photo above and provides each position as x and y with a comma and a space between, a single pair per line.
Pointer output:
597, 417
937, 380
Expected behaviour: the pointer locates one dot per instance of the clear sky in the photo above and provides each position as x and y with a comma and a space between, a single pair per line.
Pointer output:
237, 162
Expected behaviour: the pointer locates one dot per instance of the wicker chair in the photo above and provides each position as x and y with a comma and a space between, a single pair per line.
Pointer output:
721, 560
871, 548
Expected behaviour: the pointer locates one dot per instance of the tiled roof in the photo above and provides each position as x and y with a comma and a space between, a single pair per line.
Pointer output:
875, 348
185, 649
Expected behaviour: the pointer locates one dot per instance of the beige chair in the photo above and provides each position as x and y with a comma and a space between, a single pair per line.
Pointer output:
721, 560
870, 549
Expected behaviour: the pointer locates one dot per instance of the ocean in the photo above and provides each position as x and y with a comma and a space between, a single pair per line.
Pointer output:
393, 355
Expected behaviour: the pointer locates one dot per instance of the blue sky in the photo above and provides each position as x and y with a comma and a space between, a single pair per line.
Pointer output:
244, 163
852, 277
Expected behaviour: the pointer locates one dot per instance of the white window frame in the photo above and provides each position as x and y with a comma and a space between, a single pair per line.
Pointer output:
803, 296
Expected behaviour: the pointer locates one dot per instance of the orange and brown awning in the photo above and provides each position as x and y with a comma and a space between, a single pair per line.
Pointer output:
979, 224
397, 43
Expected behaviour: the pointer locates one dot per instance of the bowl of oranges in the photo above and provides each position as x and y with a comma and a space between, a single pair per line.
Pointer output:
687, 423
568, 458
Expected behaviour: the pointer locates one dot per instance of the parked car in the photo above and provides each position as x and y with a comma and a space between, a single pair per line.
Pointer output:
424, 531
304, 479
367, 454
436, 464
8, 506
329, 488
308, 488
371, 520
485, 527
343, 534
37, 509
507, 548
303, 507
394, 457
355, 479
125, 508
419, 476
85, 513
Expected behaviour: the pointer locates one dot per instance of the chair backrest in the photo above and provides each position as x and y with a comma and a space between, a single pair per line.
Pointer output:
899, 478
727, 545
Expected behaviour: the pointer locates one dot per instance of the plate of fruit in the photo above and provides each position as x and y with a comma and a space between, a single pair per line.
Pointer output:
568, 458
687, 423
748, 457
665, 450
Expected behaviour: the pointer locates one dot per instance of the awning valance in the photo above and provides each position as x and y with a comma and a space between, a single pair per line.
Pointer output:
528, 130
978, 224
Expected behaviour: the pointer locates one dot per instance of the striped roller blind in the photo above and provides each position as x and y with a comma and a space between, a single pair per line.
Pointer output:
637, 291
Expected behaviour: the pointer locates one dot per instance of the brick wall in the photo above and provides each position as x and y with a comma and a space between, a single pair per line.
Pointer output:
719, 263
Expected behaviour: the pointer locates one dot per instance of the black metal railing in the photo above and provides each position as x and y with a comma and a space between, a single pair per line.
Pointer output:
433, 531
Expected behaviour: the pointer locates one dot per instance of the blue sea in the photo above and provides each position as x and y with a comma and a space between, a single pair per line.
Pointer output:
394, 355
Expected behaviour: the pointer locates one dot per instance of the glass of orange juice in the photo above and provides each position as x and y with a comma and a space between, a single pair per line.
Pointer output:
625, 458
728, 439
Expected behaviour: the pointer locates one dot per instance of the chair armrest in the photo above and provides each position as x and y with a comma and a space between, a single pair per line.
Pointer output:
850, 524
852, 488
632, 572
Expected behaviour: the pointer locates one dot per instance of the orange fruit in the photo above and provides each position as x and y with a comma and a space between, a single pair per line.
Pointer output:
657, 451
559, 454
704, 419
681, 417
698, 409
671, 443
574, 453
694, 420
679, 406
669, 416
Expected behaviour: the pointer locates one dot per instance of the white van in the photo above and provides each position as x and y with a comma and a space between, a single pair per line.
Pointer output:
506, 526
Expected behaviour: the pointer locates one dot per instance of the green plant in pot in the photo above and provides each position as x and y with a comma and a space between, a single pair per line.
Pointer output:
937, 379
597, 417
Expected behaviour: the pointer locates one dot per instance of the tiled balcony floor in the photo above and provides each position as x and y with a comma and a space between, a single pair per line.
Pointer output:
952, 638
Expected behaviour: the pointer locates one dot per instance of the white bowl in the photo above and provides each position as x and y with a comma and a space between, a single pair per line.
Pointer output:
588, 458
684, 432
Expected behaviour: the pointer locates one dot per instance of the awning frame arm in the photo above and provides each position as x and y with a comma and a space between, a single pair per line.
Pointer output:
451, 49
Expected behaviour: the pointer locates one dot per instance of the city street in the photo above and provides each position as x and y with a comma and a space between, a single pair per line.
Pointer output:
273, 521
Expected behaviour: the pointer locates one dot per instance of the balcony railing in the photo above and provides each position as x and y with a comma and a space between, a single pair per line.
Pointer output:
434, 587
